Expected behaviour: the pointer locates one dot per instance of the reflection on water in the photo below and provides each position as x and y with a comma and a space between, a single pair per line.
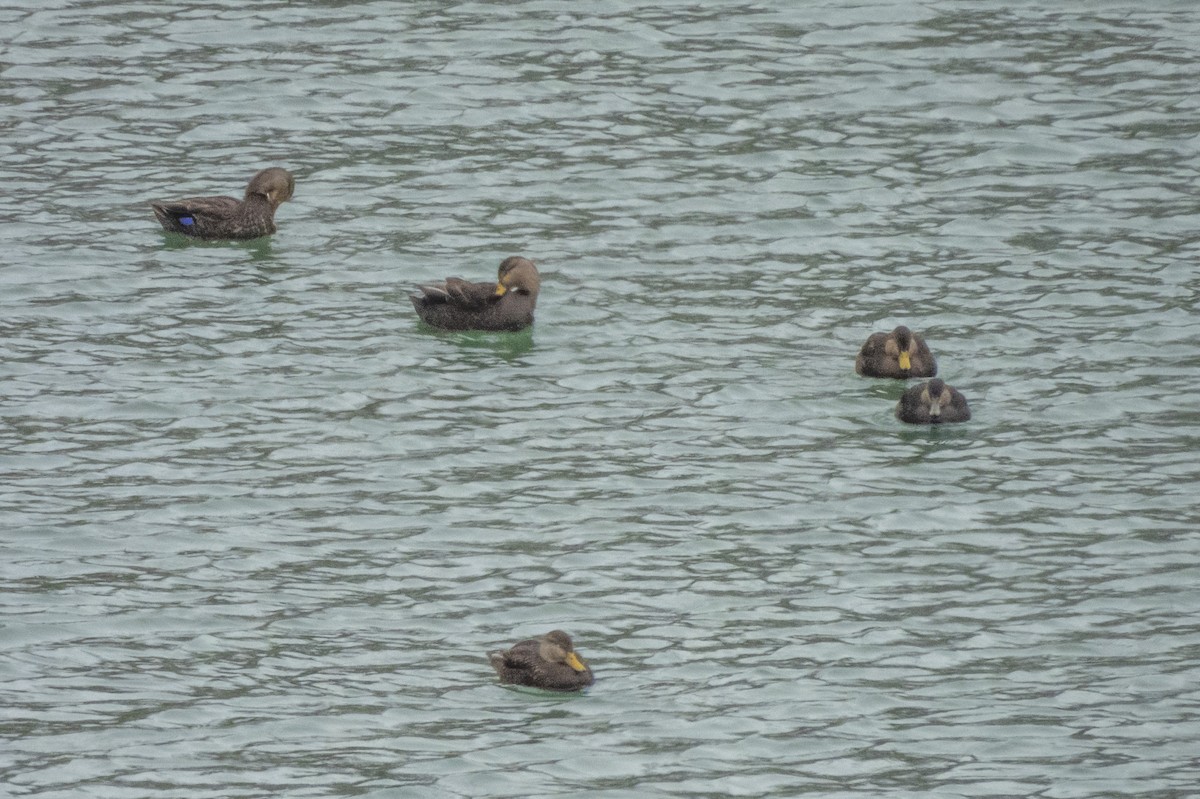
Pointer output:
508, 346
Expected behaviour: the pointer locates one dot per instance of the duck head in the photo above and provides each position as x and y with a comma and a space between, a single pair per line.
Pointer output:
275, 184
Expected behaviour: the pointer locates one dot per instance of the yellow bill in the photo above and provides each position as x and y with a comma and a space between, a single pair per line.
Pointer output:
574, 662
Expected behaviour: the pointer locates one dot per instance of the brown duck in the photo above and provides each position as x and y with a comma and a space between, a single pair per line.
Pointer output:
549, 662
900, 354
225, 217
506, 304
932, 403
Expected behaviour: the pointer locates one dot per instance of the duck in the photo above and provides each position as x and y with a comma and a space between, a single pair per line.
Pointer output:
932, 402
225, 217
506, 305
900, 354
549, 662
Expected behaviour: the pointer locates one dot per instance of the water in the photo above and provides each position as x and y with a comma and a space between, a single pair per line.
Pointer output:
260, 527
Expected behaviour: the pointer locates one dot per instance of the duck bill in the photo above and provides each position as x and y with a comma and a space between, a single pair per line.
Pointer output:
935, 409
905, 361
574, 662
500, 290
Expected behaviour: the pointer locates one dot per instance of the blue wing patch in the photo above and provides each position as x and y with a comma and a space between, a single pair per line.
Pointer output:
186, 220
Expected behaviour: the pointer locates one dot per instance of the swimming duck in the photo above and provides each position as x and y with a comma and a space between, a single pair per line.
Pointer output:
932, 403
900, 354
225, 217
547, 662
506, 304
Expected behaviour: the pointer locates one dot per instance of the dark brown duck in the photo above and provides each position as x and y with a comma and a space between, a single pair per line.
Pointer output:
506, 305
900, 354
932, 403
225, 217
548, 662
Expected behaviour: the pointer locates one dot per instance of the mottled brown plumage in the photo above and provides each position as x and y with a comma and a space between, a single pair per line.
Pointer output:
900, 354
225, 217
506, 305
547, 662
932, 403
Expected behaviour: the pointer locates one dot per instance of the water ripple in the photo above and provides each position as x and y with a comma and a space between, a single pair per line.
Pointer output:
262, 527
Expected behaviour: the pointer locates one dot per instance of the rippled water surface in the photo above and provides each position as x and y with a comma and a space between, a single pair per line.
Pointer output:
260, 527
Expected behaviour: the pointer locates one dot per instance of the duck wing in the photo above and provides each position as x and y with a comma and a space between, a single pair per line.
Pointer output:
195, 216
458, 293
